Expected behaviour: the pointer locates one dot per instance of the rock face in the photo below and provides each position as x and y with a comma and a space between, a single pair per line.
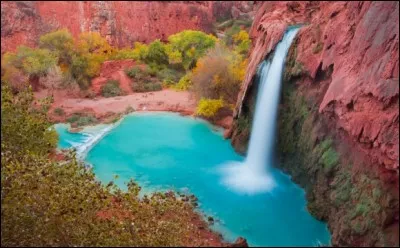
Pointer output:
339, 121
121, 22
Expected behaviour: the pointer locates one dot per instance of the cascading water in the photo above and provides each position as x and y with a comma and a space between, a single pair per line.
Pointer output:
252, 176
88, 138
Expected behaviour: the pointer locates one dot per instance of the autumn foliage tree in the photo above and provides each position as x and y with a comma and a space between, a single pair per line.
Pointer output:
219, 74
61, 43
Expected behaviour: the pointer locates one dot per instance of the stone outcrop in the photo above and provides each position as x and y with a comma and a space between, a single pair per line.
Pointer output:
121, 22
339, 121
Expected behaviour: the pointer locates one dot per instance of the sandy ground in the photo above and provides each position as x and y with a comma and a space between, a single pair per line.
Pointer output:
165, 100
182, 102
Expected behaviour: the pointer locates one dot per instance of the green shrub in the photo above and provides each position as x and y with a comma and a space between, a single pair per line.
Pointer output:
342, 188
146, 87
361, 209
86, 120
82, 119
152, 69
73, 118
111, 89
325, 145
137, 73
129, 109
156, 53
329, 160
59, 111
168, 74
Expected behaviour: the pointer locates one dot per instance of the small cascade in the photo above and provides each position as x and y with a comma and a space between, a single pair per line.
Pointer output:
93, 137
252, 175
85, 140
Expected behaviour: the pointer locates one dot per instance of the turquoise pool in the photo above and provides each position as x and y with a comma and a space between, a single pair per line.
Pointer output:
164, 151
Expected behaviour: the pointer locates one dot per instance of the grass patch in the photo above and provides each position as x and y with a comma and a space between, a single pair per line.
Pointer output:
329, 159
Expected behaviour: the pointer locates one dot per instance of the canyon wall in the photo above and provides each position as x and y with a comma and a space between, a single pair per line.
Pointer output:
121, 22
339, 114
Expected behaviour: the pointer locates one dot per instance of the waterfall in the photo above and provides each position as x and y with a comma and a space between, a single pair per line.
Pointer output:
252, 175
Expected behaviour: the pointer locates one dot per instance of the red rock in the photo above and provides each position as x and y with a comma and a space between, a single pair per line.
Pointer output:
360, 41
226, 122
121, 22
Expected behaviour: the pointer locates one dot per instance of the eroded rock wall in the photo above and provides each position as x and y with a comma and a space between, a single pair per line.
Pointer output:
121, 22
339, 116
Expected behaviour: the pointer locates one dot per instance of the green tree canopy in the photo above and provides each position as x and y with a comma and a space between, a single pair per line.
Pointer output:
156, 53
189, 45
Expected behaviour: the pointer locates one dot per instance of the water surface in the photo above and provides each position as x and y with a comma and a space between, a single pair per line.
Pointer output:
166, 151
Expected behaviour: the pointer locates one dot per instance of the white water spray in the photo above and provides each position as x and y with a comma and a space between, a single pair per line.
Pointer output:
252, 175
92, 135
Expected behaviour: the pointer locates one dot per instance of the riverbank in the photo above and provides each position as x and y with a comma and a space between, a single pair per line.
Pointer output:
107, 110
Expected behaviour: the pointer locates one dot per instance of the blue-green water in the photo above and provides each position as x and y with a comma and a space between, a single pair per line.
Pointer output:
166, 151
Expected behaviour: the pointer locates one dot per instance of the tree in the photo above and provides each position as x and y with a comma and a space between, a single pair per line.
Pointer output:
218, 74
60, 42
140, 51
94, 50
32, 62
156, 53
188, 46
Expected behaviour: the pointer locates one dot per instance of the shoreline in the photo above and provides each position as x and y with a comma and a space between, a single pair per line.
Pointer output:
106, 110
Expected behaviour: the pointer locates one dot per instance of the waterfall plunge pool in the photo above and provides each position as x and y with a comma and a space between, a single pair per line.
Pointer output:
165, 151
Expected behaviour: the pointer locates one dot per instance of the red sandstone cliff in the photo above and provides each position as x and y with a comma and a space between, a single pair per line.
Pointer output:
360, 41
344, 68
121, 22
